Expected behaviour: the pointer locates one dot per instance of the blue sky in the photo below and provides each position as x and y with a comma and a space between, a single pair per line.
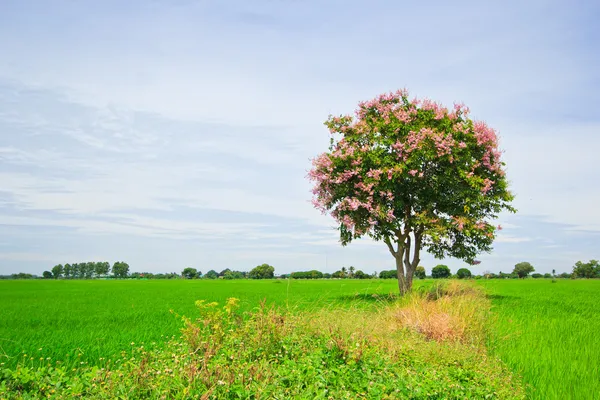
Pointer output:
178, 133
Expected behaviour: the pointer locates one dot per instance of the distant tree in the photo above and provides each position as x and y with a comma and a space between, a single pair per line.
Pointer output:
537, 275
338, 274
326, 275
22, 275
549, 275
102, 268
420, 272
68, 271
463, 273
360, 275
57, 271
47, 275
591, 269
523, 269
313, 274
120, 269
565, 275
344, 272
553, 272
233, 275
222, 273
263, 271
189, 273
390, 274
351, 270
440, 271
212, 274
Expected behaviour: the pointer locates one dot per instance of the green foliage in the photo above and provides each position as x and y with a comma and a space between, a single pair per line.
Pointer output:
212, 274
230, 275
263, 271
440, 271
120, 269
390, 274
358, 274
537, 276
591, 269
523, 269
463, 273
420, 272
313, 274
47, 275
57, 271
190, 273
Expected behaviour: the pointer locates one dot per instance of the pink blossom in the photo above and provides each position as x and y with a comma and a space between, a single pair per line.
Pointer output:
413, 172
487, 185
499, 227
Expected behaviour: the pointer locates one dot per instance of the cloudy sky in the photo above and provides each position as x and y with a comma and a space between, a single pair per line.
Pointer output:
178, 133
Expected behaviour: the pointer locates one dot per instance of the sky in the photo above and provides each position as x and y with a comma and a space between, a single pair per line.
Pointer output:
173, 134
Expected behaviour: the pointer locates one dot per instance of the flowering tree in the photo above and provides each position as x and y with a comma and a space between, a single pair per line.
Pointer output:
415, 175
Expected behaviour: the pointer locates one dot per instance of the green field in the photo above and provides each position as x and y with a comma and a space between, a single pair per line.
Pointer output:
550, 334
86, 320
546, 332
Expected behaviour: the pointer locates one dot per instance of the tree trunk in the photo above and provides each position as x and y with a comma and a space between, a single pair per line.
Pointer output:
405, 266
403, 285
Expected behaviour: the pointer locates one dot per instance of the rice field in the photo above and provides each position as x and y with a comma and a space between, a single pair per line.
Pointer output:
546, 333
549, 334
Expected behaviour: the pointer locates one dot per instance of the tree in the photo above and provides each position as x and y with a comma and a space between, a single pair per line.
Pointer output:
591, 269
47, 275
344, 272
523, 269
391, 274
537, 276
360, 275
351, 270
189, 273
233, 275
102, 268
212, 274
120, 269
414, 175
225, 271
57, 271
463, 273
264, 271
420, 272
440, 271
338, 275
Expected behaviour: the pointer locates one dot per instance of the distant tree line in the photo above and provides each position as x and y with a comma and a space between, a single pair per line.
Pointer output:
120, 270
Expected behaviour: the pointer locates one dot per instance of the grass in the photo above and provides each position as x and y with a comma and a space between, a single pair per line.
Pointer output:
87, 320
546, 333
549, 334
339, 351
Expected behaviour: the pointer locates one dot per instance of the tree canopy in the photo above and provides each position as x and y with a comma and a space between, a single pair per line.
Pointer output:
413, 174
440, 271
523, 269
264, 271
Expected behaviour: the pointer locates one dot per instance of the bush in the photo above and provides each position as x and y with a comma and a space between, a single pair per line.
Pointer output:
537, 276
440, 271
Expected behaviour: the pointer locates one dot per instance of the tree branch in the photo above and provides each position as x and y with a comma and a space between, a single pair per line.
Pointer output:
389, 245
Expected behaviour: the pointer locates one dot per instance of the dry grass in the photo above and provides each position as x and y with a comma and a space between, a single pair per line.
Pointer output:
453, 312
